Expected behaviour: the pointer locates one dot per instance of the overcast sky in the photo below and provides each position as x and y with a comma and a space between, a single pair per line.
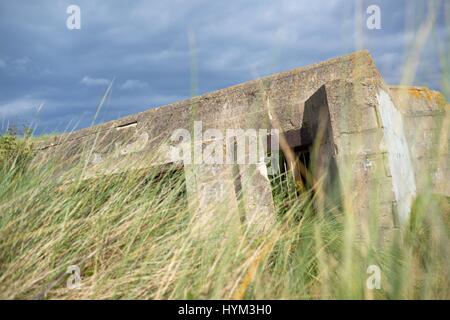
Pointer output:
158, 51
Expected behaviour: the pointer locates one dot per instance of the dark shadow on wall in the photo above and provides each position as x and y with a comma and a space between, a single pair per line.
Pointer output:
323, 165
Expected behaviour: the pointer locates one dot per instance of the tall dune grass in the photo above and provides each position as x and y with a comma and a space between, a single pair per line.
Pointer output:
133, 237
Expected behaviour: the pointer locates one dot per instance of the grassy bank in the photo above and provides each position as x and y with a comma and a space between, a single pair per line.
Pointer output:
132, 236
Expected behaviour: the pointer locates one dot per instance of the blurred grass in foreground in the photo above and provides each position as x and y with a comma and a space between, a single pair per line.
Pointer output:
132, 237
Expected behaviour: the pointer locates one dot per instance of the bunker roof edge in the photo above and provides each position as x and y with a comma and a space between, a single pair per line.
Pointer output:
79, 134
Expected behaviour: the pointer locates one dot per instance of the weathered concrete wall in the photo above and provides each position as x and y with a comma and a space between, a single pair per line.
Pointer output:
348, 117
426, 120
364, 139
141, 140
400, 163
212, 199
249, 105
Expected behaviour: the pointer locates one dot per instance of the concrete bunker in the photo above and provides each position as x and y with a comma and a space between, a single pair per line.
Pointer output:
338, 126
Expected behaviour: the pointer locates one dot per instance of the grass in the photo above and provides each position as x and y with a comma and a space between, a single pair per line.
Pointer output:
133, 237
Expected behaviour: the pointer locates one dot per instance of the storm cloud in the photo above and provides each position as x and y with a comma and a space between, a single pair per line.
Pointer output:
158, 52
